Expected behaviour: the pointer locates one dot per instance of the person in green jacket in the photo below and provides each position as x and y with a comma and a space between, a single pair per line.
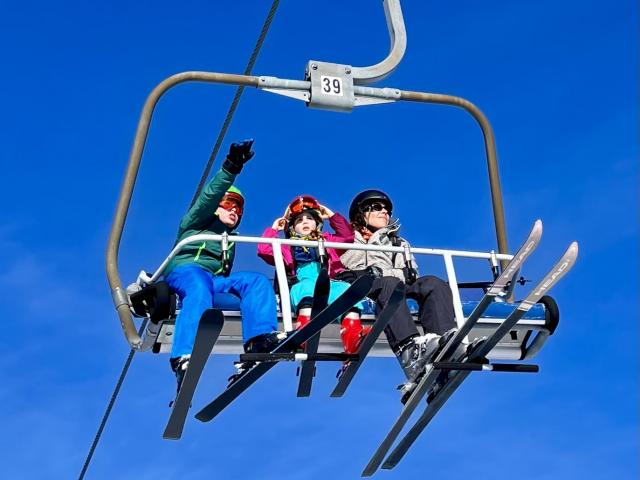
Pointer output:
198, 272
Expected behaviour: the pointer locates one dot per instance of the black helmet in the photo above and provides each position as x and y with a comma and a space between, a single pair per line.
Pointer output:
365, 197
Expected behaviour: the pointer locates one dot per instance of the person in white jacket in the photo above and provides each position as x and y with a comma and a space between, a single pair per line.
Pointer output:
370, 215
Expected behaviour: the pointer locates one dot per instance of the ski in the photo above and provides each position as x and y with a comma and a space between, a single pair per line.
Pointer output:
478, 354
208, 331
346, 374
320, 300
431, 374
356, 292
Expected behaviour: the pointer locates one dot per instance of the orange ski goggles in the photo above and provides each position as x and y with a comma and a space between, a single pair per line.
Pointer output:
232, 201
302, 203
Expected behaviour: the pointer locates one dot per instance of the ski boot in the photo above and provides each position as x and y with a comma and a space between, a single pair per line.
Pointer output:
179, 366
263, 343
414, 355
351, 332
303, 318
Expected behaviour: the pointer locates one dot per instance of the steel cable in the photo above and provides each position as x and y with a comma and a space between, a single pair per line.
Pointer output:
236, 99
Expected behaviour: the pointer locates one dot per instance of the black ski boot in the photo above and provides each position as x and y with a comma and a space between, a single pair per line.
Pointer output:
264, 343
179, 366
415, 356
416, 353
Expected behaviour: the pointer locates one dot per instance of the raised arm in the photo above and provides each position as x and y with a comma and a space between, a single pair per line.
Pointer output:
265, 250
344, 231
205, 206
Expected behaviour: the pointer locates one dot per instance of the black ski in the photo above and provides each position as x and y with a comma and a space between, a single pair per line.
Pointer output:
339, 307
208, 331
320, 300
347, 374
478, 354
431, 374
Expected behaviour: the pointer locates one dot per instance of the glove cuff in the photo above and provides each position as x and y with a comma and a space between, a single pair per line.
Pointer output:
231, 166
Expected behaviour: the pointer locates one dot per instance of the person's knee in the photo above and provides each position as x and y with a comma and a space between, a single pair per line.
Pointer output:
390, 281
256, 280
383, 286
199, 292
432, 282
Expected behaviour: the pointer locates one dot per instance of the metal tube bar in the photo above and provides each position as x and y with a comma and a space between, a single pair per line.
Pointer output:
312, 243
293, 357
283, 287
283, 83
119, 295
386, 93
453, 284
398, 38
487, 367
490, 149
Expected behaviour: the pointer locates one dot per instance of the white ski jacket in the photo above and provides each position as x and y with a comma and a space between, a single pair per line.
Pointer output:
391, 263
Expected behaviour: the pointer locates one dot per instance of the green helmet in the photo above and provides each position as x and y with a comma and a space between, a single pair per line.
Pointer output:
233, 189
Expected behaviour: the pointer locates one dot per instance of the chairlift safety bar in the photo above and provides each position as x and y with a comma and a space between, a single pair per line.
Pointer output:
281, 273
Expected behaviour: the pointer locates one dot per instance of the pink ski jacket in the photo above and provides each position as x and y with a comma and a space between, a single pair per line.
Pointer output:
344, 234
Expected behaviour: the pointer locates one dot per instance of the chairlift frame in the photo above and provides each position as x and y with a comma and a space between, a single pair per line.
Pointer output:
346, 90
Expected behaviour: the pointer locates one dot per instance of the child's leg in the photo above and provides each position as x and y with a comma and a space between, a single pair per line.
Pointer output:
194, 286
257, 301
301, 295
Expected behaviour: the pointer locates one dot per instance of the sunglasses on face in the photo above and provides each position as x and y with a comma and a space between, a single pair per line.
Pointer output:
377, 207
230, 204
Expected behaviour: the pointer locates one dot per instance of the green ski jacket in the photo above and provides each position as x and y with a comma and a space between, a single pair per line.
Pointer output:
201, 218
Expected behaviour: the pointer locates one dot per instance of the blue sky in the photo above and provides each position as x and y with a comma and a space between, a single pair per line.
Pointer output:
558, 80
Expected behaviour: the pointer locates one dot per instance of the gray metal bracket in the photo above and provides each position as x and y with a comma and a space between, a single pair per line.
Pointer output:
331, 86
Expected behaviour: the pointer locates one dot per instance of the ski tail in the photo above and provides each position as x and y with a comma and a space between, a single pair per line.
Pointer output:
560, 269
320, 300
209, 329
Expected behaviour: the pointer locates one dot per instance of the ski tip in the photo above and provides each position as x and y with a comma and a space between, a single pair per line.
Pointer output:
572, 252
537, 228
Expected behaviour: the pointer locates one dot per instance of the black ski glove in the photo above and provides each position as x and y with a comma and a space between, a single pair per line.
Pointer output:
239, 154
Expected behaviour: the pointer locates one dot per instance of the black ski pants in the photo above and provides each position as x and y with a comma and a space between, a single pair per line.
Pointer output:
435, 303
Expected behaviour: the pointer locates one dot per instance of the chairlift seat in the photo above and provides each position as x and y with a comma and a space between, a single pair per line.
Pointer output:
523, 342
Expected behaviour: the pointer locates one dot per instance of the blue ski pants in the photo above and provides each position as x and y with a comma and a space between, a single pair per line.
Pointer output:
197, 288
307, 275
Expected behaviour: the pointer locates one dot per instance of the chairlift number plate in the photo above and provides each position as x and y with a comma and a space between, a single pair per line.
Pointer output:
331, 85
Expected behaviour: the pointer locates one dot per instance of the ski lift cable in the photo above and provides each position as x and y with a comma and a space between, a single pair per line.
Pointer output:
107, 412
236, 99
214, 153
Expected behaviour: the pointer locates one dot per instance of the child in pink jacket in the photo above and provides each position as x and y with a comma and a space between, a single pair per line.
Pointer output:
304, 220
